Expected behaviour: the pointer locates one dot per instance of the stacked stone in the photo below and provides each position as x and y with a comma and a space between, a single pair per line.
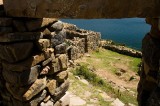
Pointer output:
33, 61
149, 85
81, 41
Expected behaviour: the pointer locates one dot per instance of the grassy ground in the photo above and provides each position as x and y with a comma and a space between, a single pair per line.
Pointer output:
106, 63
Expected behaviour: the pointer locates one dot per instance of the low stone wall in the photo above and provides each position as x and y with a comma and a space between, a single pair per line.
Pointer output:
121, 49
33, 59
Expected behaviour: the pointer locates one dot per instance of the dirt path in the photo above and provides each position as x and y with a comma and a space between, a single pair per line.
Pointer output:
109, 76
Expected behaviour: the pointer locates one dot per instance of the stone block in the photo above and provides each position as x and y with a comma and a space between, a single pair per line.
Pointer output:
36, 24
51, 86
61, 76
58, 37
21, 36
60, 91
61, 49
6, 22
46, 33
43, 44
35, 88
16, 51
54, 66
38, 98
57, 26
24, 78
63, 62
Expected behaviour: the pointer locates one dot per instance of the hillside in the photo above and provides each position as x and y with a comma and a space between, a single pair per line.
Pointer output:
117, 79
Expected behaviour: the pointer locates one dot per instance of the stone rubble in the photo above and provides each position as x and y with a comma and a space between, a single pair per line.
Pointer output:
34, 55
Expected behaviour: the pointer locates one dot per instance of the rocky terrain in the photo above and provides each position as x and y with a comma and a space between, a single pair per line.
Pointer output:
119, 72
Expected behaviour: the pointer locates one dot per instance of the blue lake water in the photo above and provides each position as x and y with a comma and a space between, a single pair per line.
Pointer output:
129, 31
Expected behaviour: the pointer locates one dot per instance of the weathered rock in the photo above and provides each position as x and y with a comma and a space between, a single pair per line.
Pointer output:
36, 100
43, 44
36, 24
24, 78
20, 36
47, 33
51, 86
16, 51
61, 76
36, 87
152, 56
23, 65
54, 66
61, 49
58, 37
5, 22
63, 61
82, 8
57, 26
61, 89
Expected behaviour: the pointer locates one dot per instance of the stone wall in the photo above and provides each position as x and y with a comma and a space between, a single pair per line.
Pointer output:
148, 87
120, 48
34, 59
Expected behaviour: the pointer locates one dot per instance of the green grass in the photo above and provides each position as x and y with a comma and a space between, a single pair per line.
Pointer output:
104, 58
84, 72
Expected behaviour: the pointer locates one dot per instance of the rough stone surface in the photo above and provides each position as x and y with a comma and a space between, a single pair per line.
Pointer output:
83, 8
35, 24
63, 61
33, 59
43, 44
19, 36
58, 37
22, 78
51, 86
8, 49
36, 87
61, 76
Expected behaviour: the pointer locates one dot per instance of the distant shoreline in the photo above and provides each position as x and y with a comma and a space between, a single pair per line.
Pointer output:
120, 48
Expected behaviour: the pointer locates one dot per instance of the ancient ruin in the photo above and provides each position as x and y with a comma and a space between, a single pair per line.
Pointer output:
34, 50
